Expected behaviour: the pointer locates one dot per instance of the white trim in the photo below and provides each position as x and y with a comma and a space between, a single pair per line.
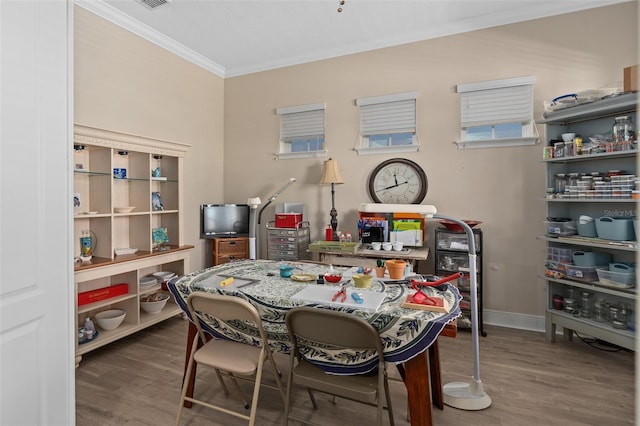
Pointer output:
496, 84
304, 154
497, 143
514, 320
110, 13
301, 108
387, 149
387, 98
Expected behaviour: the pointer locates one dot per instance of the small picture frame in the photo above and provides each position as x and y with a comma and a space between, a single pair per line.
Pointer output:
156, 202
160, 236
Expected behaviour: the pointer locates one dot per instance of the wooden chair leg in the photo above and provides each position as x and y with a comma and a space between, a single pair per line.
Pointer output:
434, 374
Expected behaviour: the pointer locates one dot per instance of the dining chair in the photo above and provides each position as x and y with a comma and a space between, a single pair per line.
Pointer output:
335, 330
229, 358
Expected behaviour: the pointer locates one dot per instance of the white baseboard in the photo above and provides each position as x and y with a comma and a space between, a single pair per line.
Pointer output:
513, 320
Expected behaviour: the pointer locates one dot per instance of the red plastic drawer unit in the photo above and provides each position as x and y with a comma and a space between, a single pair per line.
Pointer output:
288, 220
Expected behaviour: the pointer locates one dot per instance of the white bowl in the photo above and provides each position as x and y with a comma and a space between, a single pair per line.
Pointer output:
154, 307
148, 280
387, 246
568, 137
123, 209
397, 246
111, 319
163, 276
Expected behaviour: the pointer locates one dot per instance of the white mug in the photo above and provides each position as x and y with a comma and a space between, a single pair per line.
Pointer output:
376, 246
397, 246
387, 246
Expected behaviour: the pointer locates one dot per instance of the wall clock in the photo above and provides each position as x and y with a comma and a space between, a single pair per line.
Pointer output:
398, 181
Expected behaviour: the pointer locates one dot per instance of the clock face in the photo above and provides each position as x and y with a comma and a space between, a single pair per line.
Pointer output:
398, 181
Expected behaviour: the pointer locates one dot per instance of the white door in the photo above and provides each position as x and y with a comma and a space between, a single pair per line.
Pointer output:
36, 274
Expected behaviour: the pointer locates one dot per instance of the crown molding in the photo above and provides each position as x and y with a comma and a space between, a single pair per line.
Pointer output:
136, 27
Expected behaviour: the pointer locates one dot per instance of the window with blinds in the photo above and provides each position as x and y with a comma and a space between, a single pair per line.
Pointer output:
388, 123
497, 113
302, 130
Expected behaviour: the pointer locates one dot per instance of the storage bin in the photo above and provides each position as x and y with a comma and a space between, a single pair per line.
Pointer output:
615, 228
591, 258
561, 228
584, 273
616, 279
561, 254
587, 229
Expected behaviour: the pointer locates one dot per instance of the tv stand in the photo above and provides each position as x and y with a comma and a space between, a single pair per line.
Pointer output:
228, 249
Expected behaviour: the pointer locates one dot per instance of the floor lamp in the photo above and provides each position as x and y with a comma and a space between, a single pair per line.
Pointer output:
462, 395
254, 224
331, 175
253, 205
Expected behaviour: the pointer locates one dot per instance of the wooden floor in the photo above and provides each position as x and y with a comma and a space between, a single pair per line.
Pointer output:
136, 381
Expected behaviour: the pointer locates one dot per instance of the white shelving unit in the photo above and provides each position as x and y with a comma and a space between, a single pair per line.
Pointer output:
97, 194
585, 120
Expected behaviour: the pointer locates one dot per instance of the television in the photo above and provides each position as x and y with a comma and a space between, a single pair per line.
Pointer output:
224, 220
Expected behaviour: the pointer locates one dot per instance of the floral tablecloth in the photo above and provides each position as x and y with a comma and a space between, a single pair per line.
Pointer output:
404, 332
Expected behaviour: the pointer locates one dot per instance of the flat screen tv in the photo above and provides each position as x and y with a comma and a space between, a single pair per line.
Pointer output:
224, 220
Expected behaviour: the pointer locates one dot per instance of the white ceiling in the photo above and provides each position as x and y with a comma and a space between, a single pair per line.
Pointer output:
237, 37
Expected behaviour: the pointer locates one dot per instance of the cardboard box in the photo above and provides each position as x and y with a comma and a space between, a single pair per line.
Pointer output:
97, 295
288, 220
631, 79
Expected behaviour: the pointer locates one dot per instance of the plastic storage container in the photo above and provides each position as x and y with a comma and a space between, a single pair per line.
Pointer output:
584, 273
561, 228
615, 228
618, 277
591, 258
587, 229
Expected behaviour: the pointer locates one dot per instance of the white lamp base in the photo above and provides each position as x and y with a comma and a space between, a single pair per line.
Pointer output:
466, 396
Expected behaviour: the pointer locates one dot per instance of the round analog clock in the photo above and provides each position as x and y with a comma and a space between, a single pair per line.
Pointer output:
398, 181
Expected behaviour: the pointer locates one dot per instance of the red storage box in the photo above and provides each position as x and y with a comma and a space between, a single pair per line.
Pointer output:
288, 220
97, 295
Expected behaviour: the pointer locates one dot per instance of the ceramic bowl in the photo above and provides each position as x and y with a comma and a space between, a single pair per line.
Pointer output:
110, 319
153, 303
397, 246
286, 271
387, 246
123, 209
333, 277
568, 137
362, 280
376, 246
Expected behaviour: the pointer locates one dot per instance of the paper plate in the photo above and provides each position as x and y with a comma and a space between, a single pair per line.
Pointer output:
303, 277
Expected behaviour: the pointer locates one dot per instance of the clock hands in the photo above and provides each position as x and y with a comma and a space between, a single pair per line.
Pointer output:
392, 186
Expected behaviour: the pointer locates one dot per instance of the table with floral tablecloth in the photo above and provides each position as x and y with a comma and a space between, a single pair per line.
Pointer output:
404, 332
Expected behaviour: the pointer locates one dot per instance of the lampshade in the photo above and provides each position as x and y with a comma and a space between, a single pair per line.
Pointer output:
254, 202
330, 173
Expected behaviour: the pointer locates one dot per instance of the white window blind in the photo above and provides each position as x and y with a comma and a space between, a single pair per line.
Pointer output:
497, 113
302, 131
388, 123
505, 105
390, 117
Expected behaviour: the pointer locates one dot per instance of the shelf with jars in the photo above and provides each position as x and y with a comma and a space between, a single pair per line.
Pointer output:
590, 228
128, 226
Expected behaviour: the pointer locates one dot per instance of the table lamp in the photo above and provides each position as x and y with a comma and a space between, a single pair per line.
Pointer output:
331, 175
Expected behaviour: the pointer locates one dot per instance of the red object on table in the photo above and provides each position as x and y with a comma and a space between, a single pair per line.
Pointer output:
328, 234
288, 220
97, 295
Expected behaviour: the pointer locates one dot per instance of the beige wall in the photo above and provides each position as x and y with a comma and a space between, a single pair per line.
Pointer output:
127, 84
501, 187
